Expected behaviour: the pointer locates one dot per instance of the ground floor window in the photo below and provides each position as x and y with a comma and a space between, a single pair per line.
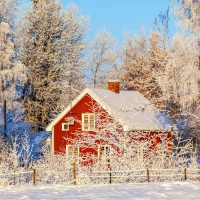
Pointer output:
72, 151
104, 153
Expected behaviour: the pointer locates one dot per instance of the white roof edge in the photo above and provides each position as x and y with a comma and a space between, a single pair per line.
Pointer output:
74, 102
97, 99
66, 110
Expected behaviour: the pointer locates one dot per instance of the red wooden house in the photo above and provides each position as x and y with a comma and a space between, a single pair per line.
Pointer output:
138, 115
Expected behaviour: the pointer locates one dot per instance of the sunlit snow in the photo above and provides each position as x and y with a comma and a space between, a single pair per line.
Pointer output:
136, 191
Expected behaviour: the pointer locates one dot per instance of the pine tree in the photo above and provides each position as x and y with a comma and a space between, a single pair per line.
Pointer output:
51, 44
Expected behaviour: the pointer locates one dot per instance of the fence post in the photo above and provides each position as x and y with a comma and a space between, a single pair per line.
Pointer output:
14, 178
110, 176
185, 174
148, 178
74, 172
34, 176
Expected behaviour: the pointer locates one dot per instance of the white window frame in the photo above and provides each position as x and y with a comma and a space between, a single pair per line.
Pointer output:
83, 125
63, 129
105, 160
67, 151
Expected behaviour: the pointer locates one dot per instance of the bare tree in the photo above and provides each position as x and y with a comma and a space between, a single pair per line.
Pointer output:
102, 56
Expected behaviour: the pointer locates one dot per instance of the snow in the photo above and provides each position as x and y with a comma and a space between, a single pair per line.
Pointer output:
136, 191
136, 112
131, 108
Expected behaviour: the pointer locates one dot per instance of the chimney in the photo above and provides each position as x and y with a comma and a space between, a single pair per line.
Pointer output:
113, 85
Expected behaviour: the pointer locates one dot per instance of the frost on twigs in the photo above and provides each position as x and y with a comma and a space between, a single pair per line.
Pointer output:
102, 58
179, 80
11, 71
52, 50
8, 11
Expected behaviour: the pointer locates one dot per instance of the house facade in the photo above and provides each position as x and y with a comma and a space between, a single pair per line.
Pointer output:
97, 119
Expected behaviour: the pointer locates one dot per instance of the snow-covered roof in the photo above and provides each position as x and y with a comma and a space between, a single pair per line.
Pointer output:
132, 110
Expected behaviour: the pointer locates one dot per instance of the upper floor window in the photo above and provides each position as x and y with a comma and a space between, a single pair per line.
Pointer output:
88, 122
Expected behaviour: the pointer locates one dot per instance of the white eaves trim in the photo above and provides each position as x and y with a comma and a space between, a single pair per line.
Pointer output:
74, 102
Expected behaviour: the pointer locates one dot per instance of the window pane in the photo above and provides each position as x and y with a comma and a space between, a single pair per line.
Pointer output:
92, 117
65, 126
70, 151
75, 151
104, 154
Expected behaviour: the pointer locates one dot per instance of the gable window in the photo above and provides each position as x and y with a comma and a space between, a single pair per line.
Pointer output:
65, 126
104, 153
72, 151
88, 122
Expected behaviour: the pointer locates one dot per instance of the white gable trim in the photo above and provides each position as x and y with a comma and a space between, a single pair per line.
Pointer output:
74, 102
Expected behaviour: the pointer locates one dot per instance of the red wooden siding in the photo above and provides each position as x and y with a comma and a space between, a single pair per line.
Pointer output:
83, 106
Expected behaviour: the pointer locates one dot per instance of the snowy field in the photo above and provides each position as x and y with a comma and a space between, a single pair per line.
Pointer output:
136, 191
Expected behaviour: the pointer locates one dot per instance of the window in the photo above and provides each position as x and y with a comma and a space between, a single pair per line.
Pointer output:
65, 126
72, 151
88, 122
104, 153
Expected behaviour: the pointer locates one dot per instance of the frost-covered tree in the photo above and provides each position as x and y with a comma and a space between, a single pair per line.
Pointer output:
161, 26
179, 80
128, 150
187, 14
51, 44
11, 71
102, 57
179, 85
157, 55
8, 11
136, 65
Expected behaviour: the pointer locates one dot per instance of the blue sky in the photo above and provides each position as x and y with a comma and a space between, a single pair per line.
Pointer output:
119, 16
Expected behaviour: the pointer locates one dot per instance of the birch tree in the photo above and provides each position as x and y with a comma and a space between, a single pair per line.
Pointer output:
102, 56
51, 44
187, 14
181, 74
179, 84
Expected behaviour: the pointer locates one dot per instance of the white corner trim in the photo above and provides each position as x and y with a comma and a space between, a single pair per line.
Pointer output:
52, 145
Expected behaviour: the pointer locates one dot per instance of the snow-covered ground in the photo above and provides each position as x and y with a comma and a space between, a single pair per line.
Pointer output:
136, 191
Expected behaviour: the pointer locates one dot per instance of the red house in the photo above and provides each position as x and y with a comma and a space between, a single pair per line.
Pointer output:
127, 111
